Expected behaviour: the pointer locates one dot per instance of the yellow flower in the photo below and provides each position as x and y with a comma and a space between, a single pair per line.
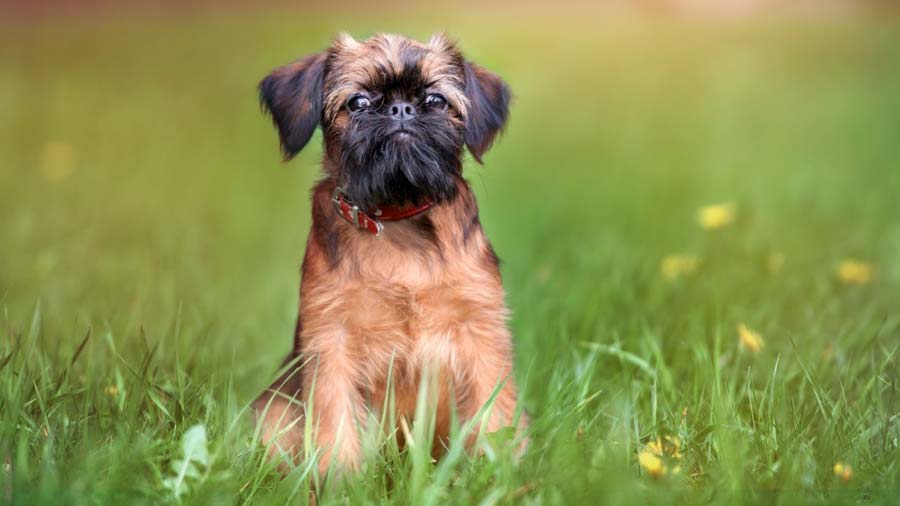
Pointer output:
716, 216
659, 458
774, 262
675, 266
57, 161
651, 463
828, 352
111, 390
670, 446
749, 339
543, 273
855, 272
843, 471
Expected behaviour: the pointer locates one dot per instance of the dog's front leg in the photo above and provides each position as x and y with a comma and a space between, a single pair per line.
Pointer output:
487, 366
279, 412
337, 408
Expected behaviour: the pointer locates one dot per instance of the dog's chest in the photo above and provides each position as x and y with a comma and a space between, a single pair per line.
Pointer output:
408, 329
404, 304
404, 300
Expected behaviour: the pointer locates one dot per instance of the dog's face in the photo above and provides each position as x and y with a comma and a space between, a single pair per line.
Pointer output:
395, 113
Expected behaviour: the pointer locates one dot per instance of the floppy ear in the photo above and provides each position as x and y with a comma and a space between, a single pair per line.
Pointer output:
293, 96
488, 108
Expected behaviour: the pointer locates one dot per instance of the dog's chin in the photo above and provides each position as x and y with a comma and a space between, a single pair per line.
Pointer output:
400, 168
401, 137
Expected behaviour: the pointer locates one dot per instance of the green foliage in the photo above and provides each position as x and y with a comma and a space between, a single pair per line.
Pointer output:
189, 467
151, 243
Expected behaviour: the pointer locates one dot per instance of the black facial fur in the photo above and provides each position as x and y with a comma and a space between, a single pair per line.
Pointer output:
364, 154
380, 166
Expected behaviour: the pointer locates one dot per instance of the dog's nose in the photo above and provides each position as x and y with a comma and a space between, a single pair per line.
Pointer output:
402, 111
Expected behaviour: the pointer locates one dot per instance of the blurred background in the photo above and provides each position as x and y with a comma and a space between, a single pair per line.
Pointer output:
139, 176
142, 194
141, 186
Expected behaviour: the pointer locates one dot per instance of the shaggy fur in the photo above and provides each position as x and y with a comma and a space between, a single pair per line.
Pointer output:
426, 294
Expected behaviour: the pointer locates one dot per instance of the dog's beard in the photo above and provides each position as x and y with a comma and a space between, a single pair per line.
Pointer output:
380, 166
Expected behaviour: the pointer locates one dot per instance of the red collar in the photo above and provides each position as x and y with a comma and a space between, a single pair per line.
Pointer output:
371, 221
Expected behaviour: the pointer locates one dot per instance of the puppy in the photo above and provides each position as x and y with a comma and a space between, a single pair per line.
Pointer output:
398, 277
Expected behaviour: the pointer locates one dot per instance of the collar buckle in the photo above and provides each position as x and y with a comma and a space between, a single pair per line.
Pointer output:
352, 213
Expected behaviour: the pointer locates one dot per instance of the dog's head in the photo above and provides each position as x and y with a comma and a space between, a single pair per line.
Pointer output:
395, 114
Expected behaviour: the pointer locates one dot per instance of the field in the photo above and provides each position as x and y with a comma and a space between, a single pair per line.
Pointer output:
668, 352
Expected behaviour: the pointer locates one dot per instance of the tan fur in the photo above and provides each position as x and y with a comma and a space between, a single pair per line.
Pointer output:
423, 297
354, 64
388, 306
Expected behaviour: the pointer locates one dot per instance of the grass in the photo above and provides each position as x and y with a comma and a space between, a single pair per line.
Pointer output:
151, 243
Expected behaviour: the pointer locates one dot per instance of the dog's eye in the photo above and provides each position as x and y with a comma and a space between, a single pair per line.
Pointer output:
435, 101
359, 103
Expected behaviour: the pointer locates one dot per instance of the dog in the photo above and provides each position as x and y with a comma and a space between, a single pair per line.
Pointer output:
398, 277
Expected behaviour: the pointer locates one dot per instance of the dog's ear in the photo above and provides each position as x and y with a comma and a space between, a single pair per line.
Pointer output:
488, 108
293, 97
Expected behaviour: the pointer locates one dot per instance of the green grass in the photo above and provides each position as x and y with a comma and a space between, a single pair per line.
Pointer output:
150, 241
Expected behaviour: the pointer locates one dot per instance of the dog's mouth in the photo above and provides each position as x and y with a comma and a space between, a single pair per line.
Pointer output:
395, 162
401, 133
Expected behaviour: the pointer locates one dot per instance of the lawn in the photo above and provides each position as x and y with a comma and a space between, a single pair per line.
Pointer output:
150, 242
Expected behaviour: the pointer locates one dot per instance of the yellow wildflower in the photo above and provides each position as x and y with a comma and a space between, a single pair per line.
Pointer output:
676, 265
57, 161
111, 390
774, 262
855, 272
749, 339
660, 457
543, 273
651, 463
843, 471
828, 352
670, 446
716, 216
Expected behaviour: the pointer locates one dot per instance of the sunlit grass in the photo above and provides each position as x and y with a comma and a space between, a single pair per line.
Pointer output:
670, 194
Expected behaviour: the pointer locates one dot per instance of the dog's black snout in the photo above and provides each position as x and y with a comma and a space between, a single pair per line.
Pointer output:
402, 111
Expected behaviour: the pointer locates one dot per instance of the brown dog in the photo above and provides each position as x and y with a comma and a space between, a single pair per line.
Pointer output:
398, 275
